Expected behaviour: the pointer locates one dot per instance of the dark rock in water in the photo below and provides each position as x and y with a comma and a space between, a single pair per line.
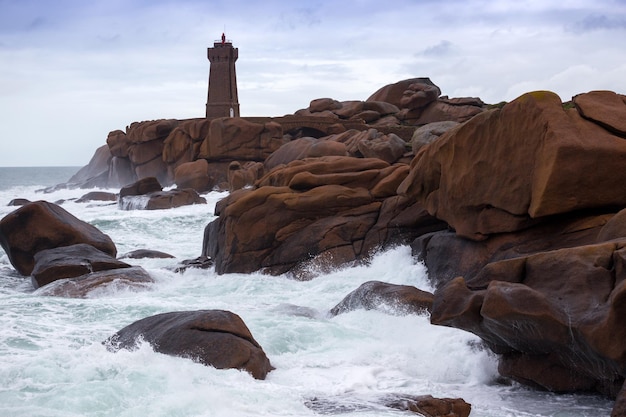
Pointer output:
161, 200
18, 202
141, 187
429, 406
215, 338
42, 225
97, 196
89, 285
376, 295
145, 253
70, 261
424, 405
201, 262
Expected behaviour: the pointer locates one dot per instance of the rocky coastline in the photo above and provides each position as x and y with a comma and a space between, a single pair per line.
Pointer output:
518, 211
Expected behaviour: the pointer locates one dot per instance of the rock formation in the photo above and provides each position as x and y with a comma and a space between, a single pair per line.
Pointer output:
197, 153
517, 211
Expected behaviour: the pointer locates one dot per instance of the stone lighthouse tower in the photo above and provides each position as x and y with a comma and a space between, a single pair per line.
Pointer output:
222, 99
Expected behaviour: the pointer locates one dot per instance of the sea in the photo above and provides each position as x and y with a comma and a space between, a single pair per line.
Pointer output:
53, 362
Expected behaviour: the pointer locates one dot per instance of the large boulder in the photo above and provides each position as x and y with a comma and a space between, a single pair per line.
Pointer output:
392, 298
42, 225
394, 93
215, 338
99, 283
143, 186
69, 262
469, 178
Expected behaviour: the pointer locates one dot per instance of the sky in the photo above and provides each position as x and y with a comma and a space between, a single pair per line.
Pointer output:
71, 71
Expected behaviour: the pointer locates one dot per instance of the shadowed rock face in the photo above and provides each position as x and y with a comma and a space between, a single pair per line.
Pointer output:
42, 225
215, 338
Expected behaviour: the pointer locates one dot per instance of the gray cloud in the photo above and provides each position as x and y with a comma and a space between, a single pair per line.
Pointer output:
598, 22
439, 50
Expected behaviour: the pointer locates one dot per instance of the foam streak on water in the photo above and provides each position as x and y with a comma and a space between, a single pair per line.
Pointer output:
52, 362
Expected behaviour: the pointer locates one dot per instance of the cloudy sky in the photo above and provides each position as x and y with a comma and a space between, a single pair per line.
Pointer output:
73, 70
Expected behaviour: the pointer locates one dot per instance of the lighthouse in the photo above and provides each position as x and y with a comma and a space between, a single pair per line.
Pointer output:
222, 98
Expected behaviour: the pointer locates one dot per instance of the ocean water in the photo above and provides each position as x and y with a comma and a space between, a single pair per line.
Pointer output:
52, 361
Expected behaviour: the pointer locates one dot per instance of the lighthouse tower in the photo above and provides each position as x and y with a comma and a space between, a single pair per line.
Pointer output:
222, 99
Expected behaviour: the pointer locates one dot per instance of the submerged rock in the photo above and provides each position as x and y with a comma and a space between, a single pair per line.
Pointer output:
424, 405
99, 283
215, 338
396, 299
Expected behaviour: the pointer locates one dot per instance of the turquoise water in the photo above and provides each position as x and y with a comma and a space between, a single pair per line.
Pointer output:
52, 362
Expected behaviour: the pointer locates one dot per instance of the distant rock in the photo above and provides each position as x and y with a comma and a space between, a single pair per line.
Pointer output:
42, 225
69, 262
97, 196
99, 283
145, 253
143, 186
18, 202
382, 296
214, 338
394, 93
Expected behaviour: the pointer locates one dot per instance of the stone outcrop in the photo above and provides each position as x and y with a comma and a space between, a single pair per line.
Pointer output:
328, 211
99, 283
391, 298
42, 225
470, 179
69, 262
214, 338
97, 196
